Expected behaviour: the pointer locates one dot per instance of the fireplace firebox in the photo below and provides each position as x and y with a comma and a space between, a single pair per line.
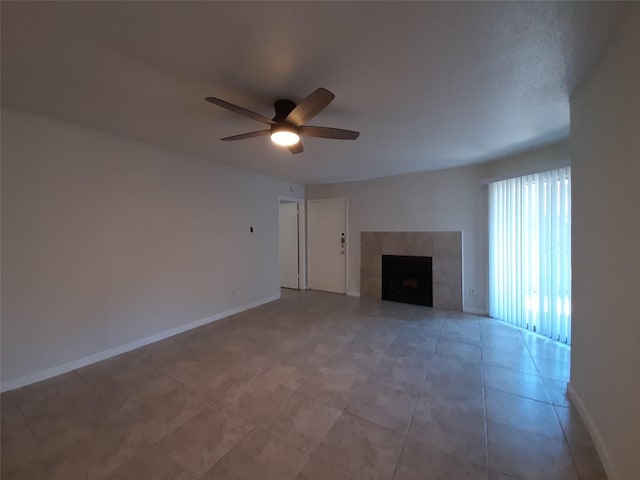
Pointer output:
407, 279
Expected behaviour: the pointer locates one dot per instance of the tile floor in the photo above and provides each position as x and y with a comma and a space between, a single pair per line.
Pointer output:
314, 386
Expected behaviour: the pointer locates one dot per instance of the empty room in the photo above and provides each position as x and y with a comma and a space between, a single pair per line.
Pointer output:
320, 240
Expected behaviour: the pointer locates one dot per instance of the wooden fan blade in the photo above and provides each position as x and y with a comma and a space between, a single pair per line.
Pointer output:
239, 110
310, 106
297, 148
326, 132
259, 133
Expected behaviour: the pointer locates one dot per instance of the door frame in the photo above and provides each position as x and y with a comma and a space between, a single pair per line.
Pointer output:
346, 234
302, 253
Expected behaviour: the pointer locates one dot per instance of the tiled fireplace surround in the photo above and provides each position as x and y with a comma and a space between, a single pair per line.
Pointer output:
445, 248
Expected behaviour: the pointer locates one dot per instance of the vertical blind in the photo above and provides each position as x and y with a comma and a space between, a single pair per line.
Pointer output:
530, 252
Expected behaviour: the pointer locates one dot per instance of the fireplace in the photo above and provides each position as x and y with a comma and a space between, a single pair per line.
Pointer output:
407, 279
444, 248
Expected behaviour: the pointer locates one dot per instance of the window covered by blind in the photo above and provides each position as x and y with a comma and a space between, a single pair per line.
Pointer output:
530, 252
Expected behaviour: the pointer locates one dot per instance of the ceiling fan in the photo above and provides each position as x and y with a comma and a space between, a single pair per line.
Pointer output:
287, 126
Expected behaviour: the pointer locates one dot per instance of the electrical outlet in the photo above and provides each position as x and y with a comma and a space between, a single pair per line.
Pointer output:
234, 292
473, 292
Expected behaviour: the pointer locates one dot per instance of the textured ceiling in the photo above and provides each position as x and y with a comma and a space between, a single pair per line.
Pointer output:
428, 85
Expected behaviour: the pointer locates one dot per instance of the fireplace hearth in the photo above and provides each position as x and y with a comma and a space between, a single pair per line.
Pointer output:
407, 279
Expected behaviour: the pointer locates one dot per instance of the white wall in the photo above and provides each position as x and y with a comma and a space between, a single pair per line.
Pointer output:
557, 155
444, 200
106, 241
605, 143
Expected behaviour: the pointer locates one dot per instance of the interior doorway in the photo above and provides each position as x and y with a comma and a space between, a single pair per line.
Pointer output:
291, 243
327, 244
289, 254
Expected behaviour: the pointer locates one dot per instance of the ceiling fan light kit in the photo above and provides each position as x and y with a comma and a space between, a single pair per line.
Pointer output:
284, 137
287, 126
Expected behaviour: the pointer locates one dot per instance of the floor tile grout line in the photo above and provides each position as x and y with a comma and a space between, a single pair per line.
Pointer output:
415, 406
344, 412
568, 443
484, 402
529, 432
355, 414
519, 395
255, 427
404, 441
24, 417
327, 464
522, 334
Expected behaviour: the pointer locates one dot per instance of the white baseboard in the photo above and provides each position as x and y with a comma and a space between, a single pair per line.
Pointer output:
598, 442
474, 311
353, 293
14, 383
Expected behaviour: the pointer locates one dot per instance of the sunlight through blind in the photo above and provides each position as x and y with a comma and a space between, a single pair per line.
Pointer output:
530, 252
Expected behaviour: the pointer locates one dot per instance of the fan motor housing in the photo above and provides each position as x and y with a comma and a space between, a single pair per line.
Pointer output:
283, 108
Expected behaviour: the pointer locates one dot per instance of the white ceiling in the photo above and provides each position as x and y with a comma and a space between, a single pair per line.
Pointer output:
428, 85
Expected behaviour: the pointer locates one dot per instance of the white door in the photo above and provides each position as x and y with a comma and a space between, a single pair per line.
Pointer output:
327, 247
289, 245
